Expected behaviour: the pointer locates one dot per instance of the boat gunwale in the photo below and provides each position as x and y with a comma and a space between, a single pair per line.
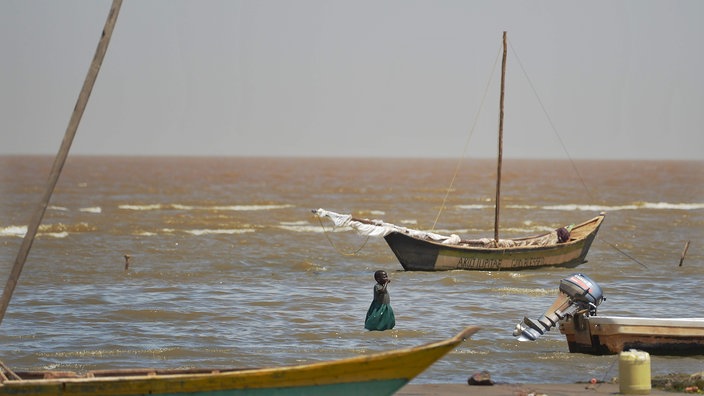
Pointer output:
593, 223
148, 374
608, 335
633, 321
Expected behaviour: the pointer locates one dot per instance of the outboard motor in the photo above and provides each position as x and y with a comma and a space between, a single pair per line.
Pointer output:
577, 293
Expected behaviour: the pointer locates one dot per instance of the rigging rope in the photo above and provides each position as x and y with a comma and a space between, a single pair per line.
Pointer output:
564, 148
608, 370
466, 144
622, 252
552, 125
333, 244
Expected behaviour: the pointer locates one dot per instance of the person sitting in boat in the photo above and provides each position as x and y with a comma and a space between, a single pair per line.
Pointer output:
563, 235
380, 315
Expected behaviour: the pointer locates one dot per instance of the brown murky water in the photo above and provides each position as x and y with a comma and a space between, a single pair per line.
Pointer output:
230, 268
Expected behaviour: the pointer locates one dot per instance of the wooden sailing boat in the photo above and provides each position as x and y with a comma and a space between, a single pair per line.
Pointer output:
382, 373
427, 251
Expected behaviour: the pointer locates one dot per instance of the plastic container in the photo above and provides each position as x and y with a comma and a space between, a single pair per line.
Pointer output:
634, 372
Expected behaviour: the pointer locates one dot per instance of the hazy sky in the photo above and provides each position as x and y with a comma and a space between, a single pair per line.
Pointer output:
617, 79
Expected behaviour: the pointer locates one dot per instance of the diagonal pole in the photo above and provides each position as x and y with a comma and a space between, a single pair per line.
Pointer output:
60, 159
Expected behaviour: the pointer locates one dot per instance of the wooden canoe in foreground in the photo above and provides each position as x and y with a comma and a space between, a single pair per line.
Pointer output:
606, 335
376, 374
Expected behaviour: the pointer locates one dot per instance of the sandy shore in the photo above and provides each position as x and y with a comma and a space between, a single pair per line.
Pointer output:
516, 390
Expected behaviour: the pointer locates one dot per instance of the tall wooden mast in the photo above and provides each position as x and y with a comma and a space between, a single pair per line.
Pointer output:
501, 145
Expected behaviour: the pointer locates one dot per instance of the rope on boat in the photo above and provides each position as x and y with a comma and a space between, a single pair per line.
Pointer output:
608, 370
333, 244
547, 115
552, 125
564, 148
623, 253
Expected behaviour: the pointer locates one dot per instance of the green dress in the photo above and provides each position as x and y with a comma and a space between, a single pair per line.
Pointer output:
380, 315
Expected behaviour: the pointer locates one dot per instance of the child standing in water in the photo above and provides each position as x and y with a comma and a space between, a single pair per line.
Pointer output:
380, 316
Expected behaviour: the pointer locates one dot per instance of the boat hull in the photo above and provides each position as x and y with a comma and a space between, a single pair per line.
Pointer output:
416, 254
377, 374
607, 335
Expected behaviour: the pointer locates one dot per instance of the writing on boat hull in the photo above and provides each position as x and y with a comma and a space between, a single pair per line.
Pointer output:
450, 262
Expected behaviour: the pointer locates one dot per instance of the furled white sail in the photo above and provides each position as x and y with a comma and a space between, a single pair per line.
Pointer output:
378, 228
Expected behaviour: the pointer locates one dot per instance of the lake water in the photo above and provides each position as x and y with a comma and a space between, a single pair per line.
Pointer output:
230, 268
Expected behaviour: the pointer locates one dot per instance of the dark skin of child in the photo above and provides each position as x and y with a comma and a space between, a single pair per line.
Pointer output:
382, 278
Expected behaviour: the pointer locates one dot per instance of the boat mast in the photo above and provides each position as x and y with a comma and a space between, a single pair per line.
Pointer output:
501, 146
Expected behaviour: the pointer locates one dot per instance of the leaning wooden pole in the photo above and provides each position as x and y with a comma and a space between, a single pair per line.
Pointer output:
60, 159
684, 252
497, 208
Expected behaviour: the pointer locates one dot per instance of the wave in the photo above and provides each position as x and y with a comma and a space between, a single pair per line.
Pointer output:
301, 226
598, 208
476, 206
485, 206
148, 207
16, 231
239, 208
58, 230
230, 231
312, 228
197, 231
526, 291
632, 206
141, 207
307, 266
62, 234
20, 231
